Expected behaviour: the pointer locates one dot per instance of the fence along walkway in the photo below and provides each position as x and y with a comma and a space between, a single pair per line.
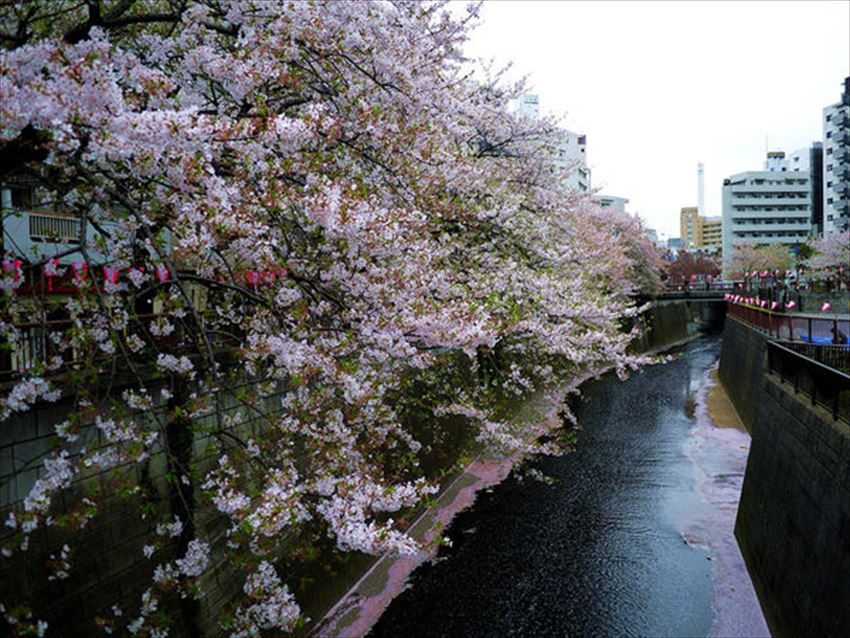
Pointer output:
802, 352
800, 327
824, 385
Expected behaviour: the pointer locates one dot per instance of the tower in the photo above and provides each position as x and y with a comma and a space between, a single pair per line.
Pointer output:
701, 189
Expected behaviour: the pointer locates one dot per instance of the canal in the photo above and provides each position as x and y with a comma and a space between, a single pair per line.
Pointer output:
607, 548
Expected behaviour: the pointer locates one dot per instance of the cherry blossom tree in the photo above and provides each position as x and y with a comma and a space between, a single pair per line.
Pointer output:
321, 212
831, 259
642, 275
749, 260
690, 265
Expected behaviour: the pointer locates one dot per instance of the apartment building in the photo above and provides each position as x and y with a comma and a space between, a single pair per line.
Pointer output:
570, 148
699, 232
766, 207
610, 201
836, 164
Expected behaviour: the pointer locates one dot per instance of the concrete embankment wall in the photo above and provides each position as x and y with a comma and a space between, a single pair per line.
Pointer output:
793, 523
743, 362
669, 322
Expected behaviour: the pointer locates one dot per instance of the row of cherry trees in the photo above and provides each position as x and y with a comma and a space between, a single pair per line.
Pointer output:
825, 258
402, 210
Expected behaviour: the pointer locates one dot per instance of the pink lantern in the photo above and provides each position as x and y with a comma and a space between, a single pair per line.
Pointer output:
826, 307
110, 274
13, 266
791, 304
162, 273
80, 269
763, 303
773, 305
50, 272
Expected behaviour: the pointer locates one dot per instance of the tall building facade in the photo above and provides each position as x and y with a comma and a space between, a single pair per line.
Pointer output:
528, 106
816, 171
766, 207
699, 232
570, 148
836, 164
712, 232
572, 154
689, 226
611, 201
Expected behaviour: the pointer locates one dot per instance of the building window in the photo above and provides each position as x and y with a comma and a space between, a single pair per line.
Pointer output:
829, 184
829, 167
829, 151
829, 200
828, 134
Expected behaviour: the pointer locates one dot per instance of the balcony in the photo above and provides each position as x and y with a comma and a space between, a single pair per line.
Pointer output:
786, 206
39, 235
54, 229
782, 187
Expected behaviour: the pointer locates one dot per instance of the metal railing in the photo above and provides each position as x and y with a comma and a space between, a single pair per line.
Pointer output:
700, 286
35, 345
821, 384
54, 228
794, 326
834, 356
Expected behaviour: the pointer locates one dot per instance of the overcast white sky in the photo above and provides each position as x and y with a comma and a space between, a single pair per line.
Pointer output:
659, 86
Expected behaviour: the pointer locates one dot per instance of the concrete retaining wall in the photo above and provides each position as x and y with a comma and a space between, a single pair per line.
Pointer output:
793, 522
668, 322
743, 360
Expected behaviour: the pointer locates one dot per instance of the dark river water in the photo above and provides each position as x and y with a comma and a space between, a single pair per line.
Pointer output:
600, 552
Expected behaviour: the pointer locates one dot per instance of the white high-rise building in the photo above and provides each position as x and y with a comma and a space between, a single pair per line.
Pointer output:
570, 148
796, 162
571, 151
528, 106
612, 201
836, 164
766, 207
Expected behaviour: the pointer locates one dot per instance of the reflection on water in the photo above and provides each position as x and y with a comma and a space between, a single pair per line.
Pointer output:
599, 552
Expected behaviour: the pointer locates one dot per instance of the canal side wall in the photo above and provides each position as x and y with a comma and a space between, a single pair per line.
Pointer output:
666, 323
743, 361
793, 521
